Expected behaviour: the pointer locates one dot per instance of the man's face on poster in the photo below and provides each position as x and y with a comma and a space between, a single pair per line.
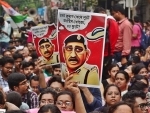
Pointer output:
75, 55
46, 49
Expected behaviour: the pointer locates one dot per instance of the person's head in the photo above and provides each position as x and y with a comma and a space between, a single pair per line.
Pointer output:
65, 101
112, 94
135, 60
49, 109
138, 99
25, 22
18, 58
18, 82
46, 48
56, 83
17, 42
121, 107
25, 52
136, 19
20, 51
140, 78
112, 70
137, 53
12, 50
138, 85
31, 24
121, 80
34, 84
140, 69
99, 10
47, 96
7, 53
28, 68
118, 12
14, 98
129, 71
56, 69
1, 21
30, 46
75, 51
7, 66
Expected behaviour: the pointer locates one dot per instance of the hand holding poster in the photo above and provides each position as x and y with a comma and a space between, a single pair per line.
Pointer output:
45, 40
81, 46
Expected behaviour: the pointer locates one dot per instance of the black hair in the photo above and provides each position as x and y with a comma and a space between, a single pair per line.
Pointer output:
136, 19
16, 56
136, 59
137, 67
6, 51
1, 20
56, 66
2, 98
17, 51
113, 108
107, 88
15, 111
130, 96
47, 91
66, 93
112, 66
55, 78
34, 55
139, 77
43, 22
126, 75
31, 23
27, 64
14, 79
35, 78
6, 60
14, 98
49, 107
118, 8
10, 48
99, 9
137, 85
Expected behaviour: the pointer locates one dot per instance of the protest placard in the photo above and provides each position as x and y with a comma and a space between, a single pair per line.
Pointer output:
81, 46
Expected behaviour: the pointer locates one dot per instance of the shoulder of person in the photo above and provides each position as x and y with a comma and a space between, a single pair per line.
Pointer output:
90, 67
11, 106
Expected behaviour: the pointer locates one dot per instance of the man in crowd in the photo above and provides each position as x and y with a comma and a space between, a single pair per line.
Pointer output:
46, 49
123, 45
76, 53
5, 30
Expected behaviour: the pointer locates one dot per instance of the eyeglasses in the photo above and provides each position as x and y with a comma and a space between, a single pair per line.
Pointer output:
67, 103
57, 89
47, 101
143, 106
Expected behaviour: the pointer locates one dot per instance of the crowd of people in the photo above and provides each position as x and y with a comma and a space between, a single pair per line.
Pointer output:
27, 85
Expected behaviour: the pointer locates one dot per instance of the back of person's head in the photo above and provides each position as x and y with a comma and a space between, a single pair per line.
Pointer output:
15, 111
6, 60
99, 10
137, 67
114, 107
31, 23
136, 19
137, 85
14, 98
55, 78
47, 108
131, 96
136, 59
118, 8
14, 79
34, 55
25, 64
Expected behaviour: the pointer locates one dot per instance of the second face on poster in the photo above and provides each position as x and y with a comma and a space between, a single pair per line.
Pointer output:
81, 40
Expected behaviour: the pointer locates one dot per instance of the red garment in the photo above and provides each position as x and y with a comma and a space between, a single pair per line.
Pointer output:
29, 39
113, 31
